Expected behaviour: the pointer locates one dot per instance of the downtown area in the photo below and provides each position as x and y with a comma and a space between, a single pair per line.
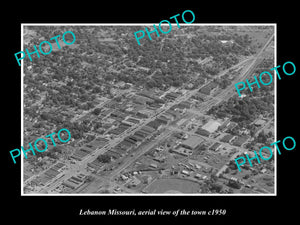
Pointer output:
163, 117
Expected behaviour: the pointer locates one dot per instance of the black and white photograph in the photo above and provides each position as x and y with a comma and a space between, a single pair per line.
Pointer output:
161, 116
150, 113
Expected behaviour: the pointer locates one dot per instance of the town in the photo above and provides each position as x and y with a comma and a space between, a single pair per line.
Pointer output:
163, 118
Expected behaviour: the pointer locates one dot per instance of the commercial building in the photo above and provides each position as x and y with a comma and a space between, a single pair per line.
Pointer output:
152, 165
155, 124
97, 143
185, 172
211, 126
184, 105
182, 151
228, 138
259, 122
216, 146
202, 132
192, 142
75, 181
208, 88
79, 154
172, 96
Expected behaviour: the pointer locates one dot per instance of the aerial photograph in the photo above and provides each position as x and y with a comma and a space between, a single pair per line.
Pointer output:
160, 118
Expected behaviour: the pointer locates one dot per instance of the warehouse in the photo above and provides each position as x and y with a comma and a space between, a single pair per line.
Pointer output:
211, 126
192, 142
215, 147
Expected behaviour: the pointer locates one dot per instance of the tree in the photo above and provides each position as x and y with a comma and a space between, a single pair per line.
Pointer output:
96, 111
246, 176
213, 177
57, 149
89, 178
104, 158
227, 170
45, 116
261, 138
234, 184
230, 191
270, 134
217, 187
202, 147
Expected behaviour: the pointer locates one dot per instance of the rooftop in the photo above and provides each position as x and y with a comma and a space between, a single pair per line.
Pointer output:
211, 126
193, 141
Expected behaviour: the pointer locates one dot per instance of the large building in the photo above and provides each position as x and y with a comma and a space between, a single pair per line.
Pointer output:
192, 142
211, 126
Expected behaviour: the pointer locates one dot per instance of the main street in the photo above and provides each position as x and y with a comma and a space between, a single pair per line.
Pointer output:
95, 185
143, 150
81, 165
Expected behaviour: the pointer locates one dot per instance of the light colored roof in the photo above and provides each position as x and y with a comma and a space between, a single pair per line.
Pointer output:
193, 141
211, 126
260, 122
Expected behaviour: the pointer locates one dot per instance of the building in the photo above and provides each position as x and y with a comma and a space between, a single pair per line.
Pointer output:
211, 126
160, 159
132, 120
202, 132
162, 119
173, 113
228, 138
172, 96
75, 181
184, 105
192, 142
185, 172
259, 122
227, 41
264, 170
152, 165
155, 124
95, 165
199, 176
183, 151
147, 129
208, 88
134, 182
225, 123
148, 94
79, 154
215, 147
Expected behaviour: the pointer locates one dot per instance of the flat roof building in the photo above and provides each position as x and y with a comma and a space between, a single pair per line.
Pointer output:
183, 151
211, 126
192, 142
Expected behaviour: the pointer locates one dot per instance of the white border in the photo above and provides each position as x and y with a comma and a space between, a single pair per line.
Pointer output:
150, 24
